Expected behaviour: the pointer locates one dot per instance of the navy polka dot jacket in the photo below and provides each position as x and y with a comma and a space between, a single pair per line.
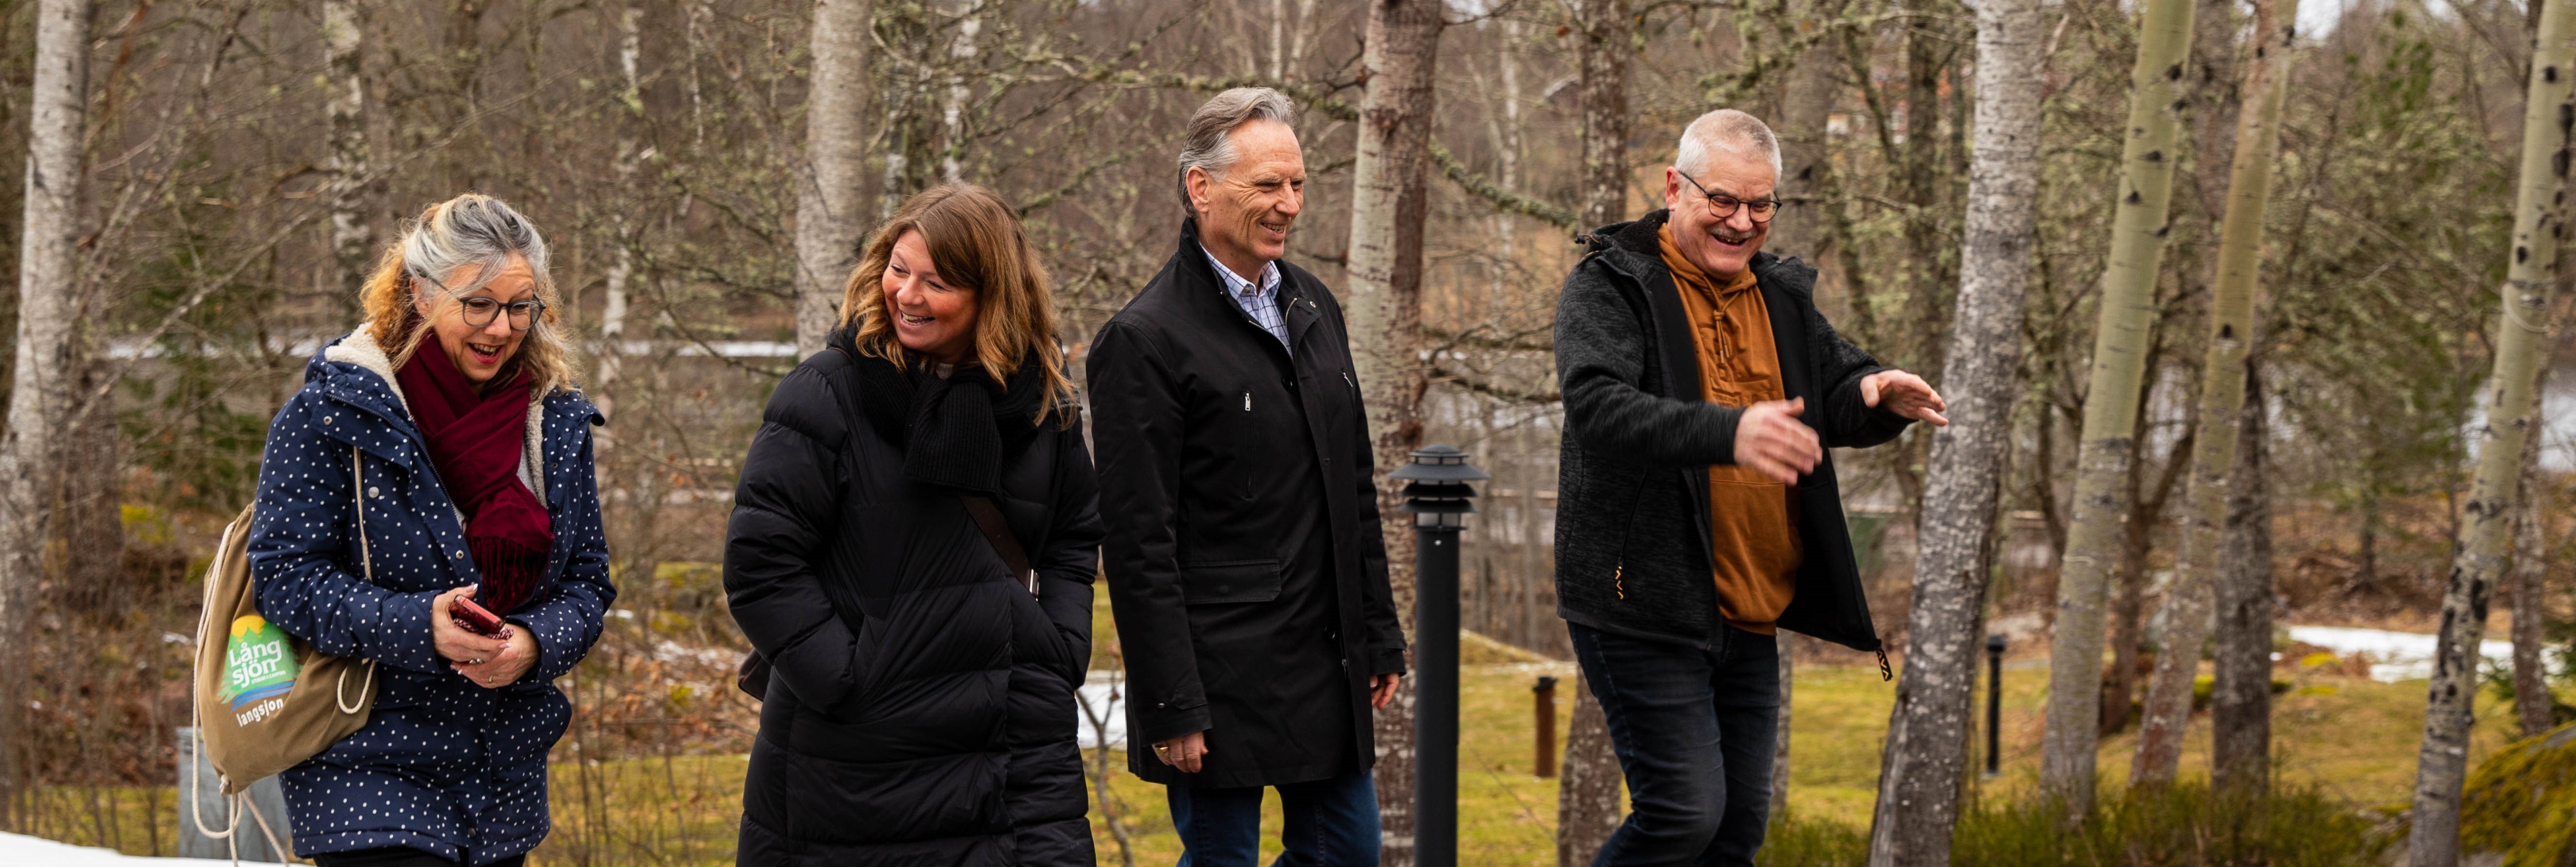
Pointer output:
442, 765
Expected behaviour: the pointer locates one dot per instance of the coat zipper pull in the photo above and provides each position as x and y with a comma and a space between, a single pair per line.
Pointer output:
1618, 572
1884, 673
1247, 401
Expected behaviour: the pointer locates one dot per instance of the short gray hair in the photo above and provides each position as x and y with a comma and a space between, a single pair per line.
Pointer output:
475, 230
1729, 130
1208, 146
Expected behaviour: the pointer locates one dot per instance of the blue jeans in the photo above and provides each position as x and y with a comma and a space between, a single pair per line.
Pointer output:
1694, 730
1330, 823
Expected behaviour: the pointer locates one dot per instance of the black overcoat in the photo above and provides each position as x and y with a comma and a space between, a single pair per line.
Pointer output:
921, 704
1244, 559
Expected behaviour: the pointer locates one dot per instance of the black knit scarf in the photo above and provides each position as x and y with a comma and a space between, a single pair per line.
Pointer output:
955, 431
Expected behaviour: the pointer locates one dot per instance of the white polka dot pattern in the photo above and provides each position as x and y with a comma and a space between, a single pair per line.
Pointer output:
442, 765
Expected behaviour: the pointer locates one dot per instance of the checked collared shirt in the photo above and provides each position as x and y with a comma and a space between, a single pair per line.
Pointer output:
1261, 302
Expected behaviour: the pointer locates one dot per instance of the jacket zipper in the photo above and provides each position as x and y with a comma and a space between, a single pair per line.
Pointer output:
1619, 568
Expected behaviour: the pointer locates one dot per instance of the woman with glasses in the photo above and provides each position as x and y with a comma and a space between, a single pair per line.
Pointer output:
438, 461
912, 549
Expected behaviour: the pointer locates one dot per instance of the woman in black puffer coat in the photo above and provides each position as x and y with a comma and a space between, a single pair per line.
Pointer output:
920, 708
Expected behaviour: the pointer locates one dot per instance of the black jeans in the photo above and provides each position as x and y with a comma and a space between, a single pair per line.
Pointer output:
398, 857
1694, 731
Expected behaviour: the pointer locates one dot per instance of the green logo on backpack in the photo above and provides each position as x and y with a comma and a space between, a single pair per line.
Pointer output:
258, 664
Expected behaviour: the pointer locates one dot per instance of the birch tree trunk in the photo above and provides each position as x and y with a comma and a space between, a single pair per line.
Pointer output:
1587, 803
1389, 201
2111, 409
2240, 699
1928, 730
2531, 699
1602, 52
2539, 216
952, 115
352, 235
2222, 396
829, 208
1806, 178
1588, 792
1806, 164
621, 265
40, 397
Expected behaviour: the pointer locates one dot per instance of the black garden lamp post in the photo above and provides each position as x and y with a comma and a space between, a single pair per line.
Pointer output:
1994, 705
1437, 493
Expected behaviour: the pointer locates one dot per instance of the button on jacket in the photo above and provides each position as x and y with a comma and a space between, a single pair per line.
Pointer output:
443, 765
1244, 558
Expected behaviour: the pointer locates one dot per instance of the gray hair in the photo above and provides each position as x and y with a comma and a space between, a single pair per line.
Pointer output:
472, 229
1209, 147
477, 230
1729, 130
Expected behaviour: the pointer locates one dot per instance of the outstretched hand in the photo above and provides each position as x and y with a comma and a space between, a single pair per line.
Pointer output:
1770, 439
1904, 394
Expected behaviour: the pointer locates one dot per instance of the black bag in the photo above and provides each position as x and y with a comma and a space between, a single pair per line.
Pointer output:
752, 676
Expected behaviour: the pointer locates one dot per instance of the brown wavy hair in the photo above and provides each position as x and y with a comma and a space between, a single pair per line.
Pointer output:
976, 242
470, 229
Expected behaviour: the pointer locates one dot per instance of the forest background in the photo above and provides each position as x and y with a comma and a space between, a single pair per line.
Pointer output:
242, 162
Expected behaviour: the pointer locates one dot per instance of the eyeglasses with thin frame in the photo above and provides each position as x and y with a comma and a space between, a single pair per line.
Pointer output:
1724, 205
480, 310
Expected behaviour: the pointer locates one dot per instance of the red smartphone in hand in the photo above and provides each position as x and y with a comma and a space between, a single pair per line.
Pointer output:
475, 618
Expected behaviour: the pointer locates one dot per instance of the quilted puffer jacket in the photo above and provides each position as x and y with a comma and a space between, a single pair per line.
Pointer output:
921, 704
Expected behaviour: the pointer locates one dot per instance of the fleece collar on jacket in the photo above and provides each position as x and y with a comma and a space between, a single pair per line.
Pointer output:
360, 349
1635, 249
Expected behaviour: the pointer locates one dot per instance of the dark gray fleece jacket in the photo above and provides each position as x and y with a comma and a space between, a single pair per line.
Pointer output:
1632, 524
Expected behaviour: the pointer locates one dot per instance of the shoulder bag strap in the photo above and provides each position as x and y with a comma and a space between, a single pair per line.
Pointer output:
366, 566
997, 531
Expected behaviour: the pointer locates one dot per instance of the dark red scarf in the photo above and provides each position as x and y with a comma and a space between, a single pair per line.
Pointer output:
476, 440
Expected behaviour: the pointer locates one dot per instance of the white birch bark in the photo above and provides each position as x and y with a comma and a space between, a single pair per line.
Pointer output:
952, 115
829, 207
40, 397
2108, 452
1389, 201
621, 265
2188, 598
352, 235
1926, 757
2539, 218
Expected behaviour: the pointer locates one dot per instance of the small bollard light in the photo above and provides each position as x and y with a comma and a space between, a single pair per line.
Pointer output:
1994, 705
1438, 494
1545, 706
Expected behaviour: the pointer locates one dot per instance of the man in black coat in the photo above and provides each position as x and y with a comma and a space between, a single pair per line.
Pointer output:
1244, 559
1698, 510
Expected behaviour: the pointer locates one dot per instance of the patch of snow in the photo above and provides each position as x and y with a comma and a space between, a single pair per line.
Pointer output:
22, 851
2400, 656
673, 651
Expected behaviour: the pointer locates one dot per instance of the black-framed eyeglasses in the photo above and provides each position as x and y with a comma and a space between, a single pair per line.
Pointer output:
1723, 205
480, 310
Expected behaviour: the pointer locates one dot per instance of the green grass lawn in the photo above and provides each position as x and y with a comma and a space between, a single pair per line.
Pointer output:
2352, 738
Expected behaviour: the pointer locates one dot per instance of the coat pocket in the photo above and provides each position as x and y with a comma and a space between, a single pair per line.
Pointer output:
1230, 581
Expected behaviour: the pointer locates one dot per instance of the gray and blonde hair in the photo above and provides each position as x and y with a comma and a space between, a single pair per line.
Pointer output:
471, 230
1208, 146
1728, 130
